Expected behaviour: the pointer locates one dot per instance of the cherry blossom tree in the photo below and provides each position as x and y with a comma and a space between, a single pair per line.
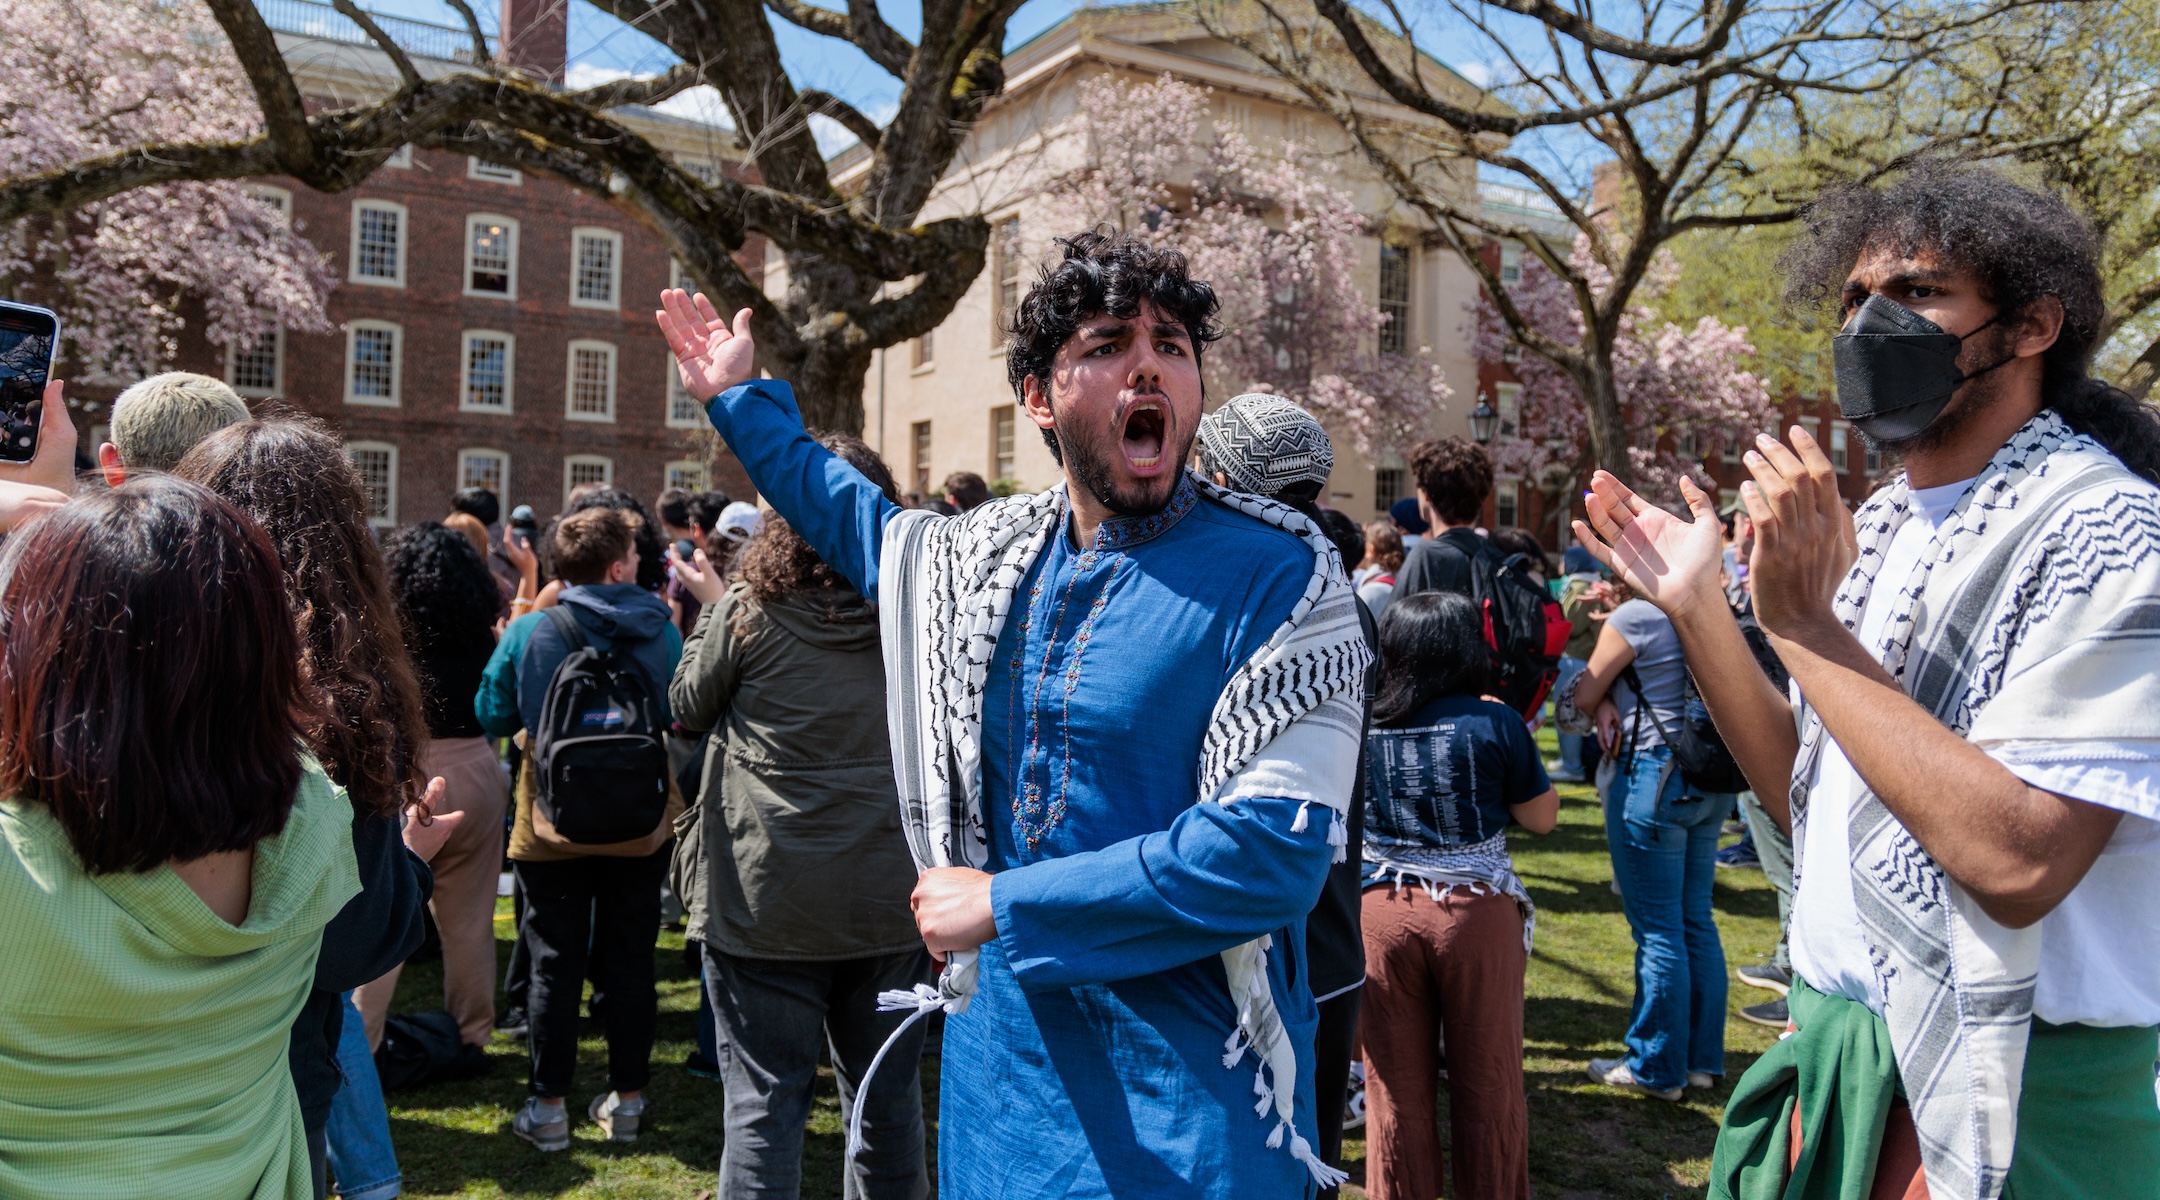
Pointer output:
1683, 392
1271, 232
84, 78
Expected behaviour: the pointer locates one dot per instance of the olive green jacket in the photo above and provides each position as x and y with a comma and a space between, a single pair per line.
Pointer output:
796, 851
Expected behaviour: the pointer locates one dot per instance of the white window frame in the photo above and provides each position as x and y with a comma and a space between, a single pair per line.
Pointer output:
1840, 431
502, 462
277, 366
695, 469
1507, 405
676, 393
1511, 256
572, 461
276, 197
464, 393
1511, 487
510, 227
353, 329
401, 158
580, 234
614, 357
404, 243
389, 517
487, 172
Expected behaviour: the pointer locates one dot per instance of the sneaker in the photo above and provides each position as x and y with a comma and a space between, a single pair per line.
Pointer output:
1739, 855
546, 1126
1767, 977
1772, 1013
1559, 774
701, 1067
616, 1117
1353, 1113
513, 1023
1614, 1073
1703, 1080
1733, 827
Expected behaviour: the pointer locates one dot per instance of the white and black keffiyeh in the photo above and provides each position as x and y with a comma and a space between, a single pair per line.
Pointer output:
1287, 724
2035, 612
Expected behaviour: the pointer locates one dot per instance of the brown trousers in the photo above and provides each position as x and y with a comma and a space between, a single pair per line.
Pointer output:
1458, 961
466, 871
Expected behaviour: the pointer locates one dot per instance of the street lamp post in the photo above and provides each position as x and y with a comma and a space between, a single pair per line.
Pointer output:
1484, 422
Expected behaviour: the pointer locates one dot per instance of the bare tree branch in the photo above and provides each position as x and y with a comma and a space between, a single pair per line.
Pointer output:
481, 57
827, 104
398, 58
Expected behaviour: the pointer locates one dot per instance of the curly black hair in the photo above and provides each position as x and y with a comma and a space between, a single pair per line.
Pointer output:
2024, 245
443, 588
652, 557
1102, 273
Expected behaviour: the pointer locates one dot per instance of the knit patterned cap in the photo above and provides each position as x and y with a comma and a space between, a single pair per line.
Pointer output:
1263, 444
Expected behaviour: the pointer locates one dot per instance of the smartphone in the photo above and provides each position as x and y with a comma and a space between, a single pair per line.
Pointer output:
685, 549
28, 338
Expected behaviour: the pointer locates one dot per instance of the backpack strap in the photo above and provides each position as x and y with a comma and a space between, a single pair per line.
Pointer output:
567, 627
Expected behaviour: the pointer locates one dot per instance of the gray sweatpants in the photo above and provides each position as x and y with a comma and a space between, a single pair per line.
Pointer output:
1774, 847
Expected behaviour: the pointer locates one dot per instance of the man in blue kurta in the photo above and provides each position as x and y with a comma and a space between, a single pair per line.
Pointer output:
1115, 706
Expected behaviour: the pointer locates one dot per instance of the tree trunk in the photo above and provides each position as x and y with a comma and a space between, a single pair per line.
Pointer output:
2138, 379
1601, 399
828, 383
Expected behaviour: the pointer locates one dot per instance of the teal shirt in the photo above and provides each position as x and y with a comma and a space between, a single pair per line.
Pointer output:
514, 686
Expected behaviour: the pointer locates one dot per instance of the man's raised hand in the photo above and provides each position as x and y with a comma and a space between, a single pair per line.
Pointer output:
1804, 538
712, 357
1669, 562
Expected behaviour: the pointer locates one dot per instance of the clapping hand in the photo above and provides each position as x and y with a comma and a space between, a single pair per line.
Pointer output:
711, 357
1804, 538
425, 832
1669, 562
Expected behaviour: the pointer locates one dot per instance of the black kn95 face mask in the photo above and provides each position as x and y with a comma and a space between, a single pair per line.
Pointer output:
1896, 370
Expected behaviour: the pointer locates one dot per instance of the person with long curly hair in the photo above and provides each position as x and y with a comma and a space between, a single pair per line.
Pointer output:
448, 602
291, 476
802, 900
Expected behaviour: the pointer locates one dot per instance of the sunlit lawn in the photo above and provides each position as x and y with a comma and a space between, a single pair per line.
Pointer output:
454, 1139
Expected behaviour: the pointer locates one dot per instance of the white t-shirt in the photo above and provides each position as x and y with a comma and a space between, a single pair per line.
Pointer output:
2100, 948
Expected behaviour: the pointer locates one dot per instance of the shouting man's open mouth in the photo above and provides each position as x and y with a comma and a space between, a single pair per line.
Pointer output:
1143, 437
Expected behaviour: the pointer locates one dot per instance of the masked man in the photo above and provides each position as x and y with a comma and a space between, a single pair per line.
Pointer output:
1124, 716
1973, 776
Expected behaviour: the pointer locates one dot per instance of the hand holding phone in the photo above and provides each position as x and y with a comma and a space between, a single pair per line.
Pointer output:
29, 337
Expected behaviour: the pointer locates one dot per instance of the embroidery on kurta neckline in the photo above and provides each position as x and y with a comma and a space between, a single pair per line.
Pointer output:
1034, 816
1123, 533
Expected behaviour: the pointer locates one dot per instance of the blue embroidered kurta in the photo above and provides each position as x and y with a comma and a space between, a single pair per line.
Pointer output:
1090, 1061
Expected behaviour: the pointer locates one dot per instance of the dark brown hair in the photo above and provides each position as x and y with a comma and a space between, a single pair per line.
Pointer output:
150, 688
290, 474
1384, 542
778, 562
1455, 476
588, 542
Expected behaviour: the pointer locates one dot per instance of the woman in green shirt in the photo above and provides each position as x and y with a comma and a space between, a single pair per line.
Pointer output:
168, 857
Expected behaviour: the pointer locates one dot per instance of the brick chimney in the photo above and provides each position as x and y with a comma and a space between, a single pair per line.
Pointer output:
536, 37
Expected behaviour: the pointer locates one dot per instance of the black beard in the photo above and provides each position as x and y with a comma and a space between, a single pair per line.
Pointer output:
1091, 461
1971, 398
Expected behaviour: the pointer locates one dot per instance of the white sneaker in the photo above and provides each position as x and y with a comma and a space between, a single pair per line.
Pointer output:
616, 1117
1354, 1103
1701, 1079
1614, 1073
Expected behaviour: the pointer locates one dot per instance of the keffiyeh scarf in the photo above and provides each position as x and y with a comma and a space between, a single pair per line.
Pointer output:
2035, 612
1440, 869
1286, 725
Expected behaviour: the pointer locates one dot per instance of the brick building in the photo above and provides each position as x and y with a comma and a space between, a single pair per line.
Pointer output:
493, 328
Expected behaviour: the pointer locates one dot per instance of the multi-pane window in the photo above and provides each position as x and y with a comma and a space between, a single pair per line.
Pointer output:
919, 462
273, 197
1387, 487
1394, 298
1872, 460
488, 469
490, 358
400, 157
1005, 242
580, 470
252, 364
1507, 504
476, 169
1840, 456
1510, 262
376, 464
687, 475
925, 350
490, 256
596, 268
592, 381
378, 250
371, 357
683, 409
1507, 398
1002, 424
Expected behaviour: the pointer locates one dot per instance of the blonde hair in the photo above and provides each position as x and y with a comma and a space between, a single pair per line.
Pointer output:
470, 526
157, 421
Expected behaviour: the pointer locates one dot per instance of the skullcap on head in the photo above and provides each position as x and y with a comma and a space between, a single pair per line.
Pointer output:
1263, 444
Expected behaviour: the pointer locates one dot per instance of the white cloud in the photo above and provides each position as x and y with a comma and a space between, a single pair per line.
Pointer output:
833, 137
1477, 73
701, 103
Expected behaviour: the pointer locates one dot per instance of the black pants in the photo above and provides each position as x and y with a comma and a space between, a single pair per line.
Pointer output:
1334, 1041
573, 909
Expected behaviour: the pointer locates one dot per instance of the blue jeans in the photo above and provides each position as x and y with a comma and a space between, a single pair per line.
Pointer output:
1570, 743
1664, 845
359, 1130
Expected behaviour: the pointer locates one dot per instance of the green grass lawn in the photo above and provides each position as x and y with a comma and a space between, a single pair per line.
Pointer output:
1585, 1141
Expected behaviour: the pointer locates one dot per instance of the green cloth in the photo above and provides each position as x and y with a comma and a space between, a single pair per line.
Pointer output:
143, 1039
2088, 1123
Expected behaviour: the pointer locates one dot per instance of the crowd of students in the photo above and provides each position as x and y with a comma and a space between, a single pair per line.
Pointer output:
245, 741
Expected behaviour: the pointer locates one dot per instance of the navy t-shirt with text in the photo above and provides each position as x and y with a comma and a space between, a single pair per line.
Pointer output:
1448, 776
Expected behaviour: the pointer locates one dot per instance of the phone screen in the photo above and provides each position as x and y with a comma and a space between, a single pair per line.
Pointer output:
26, 350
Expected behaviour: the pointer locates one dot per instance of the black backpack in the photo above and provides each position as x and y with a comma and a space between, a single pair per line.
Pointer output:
1699, 751
600, 763
1524, 625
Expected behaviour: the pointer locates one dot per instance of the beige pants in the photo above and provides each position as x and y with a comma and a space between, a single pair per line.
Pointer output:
466, 870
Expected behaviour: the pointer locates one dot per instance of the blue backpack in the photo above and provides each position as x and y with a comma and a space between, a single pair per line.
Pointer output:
600, 763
